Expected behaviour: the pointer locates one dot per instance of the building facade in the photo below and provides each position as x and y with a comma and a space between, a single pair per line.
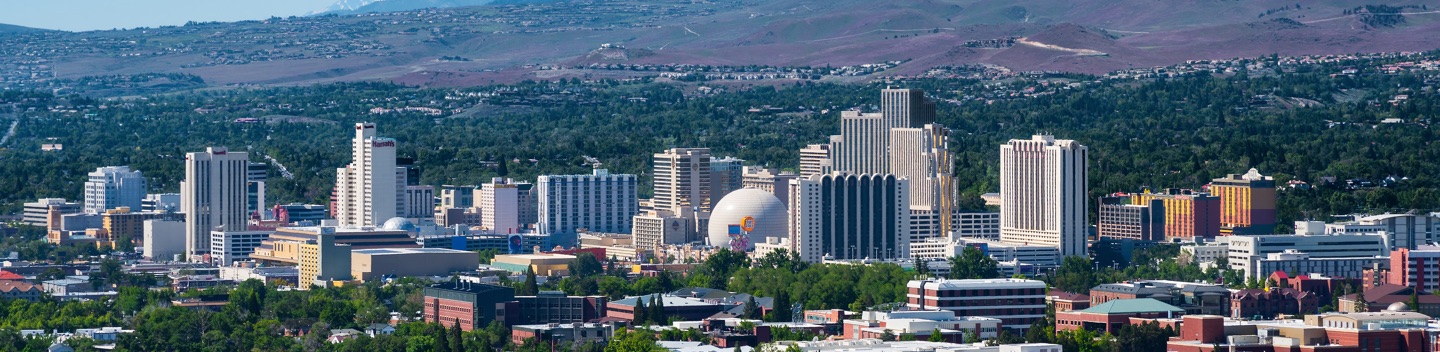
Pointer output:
419, 202
846, 216
1018, 303
682, 179
213, 196
1247, 203
228, 247
470, 305
815, 160
112, 187
600, 202
1043, 185
371, 189
726, 175
1118, 218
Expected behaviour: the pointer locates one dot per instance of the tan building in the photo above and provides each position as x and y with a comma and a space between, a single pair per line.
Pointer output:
616, 245
543, 264
283, 245
14, 289
121, 223
372, 264
323, 261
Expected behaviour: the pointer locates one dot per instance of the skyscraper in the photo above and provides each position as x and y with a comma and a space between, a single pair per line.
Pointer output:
922, 155
371, 188
499, 203
255, 176
112, 187
815, 160
682, 179
213, 196
726, 175
864, 141
599, 202
1043, 185
846, 216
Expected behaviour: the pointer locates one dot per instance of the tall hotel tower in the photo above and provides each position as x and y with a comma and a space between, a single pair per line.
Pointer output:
864, 141
1043, 185
371, 189
213, 196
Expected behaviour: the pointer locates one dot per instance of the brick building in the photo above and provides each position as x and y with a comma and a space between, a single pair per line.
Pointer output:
1016, 302
1263, 304
550, 307
1110, 316
471, 305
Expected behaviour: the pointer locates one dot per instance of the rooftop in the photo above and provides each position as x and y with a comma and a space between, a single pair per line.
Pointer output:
967, 283
400, 251
669, 301
1128, 306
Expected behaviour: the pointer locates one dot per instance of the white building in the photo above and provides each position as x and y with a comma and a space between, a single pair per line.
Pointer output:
726, 175
682, 179
155, 202
815, 160
922, 155
1296, 262
419, 202
599, 202
920, 323
112, 187
1402, 230
213, 196
1043, 185
845, 216
769, 180
228, 247
1017, 302
164, 239
371, 189
1035, 255
499, 203
864, 141
1247, 252
37, 213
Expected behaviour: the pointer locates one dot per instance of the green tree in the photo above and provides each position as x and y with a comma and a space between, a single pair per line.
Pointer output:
935, 336
633, 341
782, 311
973, 264
585, 265
1075, 275
530, 287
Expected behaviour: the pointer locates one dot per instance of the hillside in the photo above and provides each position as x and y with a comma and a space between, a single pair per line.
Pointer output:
509, 40
10, 28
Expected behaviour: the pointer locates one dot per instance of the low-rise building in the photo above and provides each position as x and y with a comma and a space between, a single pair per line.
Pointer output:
551, 334
228, 247
677, 308
1393, 330
550, 307
1017, 302
1111, 315
544, 264
1194, 298
471, 305
376, 263
1382, 297
15, 289
1270, 304
921, 324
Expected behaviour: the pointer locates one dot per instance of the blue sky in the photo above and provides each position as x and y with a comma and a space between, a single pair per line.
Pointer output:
80, 15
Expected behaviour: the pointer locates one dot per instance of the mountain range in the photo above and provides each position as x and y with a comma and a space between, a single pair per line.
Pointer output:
516, 39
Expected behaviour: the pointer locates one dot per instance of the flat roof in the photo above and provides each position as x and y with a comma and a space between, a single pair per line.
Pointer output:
400, 251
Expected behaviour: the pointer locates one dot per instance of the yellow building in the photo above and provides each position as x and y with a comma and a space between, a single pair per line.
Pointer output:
1247, 203
543, 264
322, 261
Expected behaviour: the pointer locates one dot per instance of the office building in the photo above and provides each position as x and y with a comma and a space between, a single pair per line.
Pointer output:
1338, 255
1043, 185
213, 196
1419, 268
922, 155
419, 202
815, 160
483, 241
679, 308
379, 263
1247, 203
550, 307
297, 213
157, 202
1110, 316
228, 247
164, 239
1191, 298
283, 245
371, 189
600, 202
864, 141
1119, 219
121, 224
977, 225
255, 176
920, 324
469, 304
726, 175
323, 261
112, 187
499, 203
37, 213
769, 180
576, 333
457, 196
1016, 302
682, 180
845, 216
1390, 330
1403, 230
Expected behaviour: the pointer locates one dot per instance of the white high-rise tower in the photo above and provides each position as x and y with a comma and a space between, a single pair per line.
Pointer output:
371, 189
1043, 185
112, 187
213, 196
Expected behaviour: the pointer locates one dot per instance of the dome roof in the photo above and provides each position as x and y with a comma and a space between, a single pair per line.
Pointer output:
1398, 307
399, 223
766, 215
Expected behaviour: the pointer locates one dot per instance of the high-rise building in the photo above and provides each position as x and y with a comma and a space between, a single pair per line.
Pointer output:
1043, 185
457, 196
164, 239
112, 187
768, 180
1118, 218
527, 201
726, 175
682, 179
815, 160
371, 189
864, 141
419, 202
255, 177
1247, 203
1404, 230
499, 203
1188, 214
845, 216
922, 155
213, 196
1415, 267
599, 202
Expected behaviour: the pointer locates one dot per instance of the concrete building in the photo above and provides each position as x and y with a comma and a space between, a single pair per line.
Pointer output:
1187, 214
676, 307
120, 224
323, 261
284, 245
157, 202
1247, 203
864, 141
228, 247
845, 216
601, 202
164, 239
471, 305
1190, 297
1120, 219
499, 203
977, 225
1332, 255
419, 202
112, 187
255, 176
920, 324
726, 175
1395, 330
682, 180
815, 160
1016, 302
1404, 230
553, 334
213, 196
457, 196
652, 230
1419, 268
922, 155
294, 213
1043, 185
544, 264
37, 213
1033, 255
371, 189
775, 182
377, 263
